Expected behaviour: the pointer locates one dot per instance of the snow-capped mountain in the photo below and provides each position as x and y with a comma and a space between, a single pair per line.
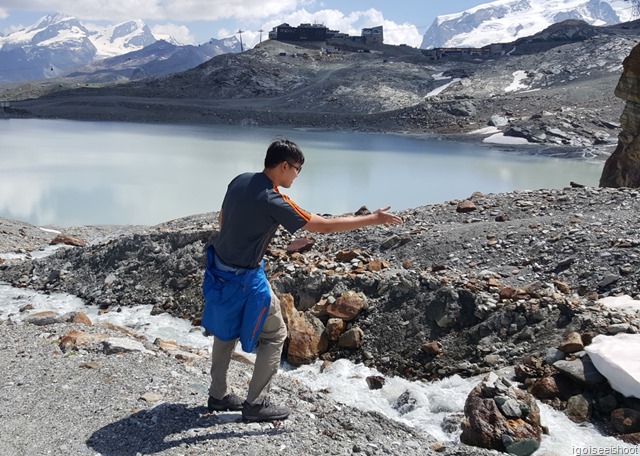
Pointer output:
122, 38
504, 21
158, 59
59, 44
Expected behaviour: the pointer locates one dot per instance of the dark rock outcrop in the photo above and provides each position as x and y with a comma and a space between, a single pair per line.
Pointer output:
622, 168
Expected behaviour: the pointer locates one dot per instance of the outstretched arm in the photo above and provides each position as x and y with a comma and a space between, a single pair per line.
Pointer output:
320, 224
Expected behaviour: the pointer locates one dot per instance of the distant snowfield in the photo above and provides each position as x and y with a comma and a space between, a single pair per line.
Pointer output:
109, 41
511, 21
497, 137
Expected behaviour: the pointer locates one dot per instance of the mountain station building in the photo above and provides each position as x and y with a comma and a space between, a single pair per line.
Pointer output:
318, 32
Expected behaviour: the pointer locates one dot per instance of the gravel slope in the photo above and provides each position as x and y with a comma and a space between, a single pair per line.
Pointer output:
88, 402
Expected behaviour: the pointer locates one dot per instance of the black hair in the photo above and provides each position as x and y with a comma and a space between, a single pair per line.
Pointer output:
283, 150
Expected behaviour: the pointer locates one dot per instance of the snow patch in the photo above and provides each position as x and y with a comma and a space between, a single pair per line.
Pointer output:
518, 76
618, 359
500, 138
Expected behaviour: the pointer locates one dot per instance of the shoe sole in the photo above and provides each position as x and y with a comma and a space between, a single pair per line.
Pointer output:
257, 419
224, 409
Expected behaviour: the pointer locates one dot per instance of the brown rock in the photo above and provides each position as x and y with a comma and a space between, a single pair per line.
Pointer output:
625, 420
508, 292
485, 426
545, 388
287, 307
633, 439
81, 318
377, 265
351, 339
466, 206
432, 348
571, 343
307, 339
74, 340
346, 256
375, 382
347, 306
551, 387
68, 240
300, 245
319, 310
562, 287
335, 328
407, 264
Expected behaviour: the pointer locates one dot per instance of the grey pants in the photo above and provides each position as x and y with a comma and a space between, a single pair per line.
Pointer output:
269, 350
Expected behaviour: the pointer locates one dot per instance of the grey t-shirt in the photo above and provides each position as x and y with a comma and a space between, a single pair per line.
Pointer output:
252, 210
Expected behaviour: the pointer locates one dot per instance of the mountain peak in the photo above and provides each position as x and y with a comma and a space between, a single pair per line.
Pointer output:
504, 21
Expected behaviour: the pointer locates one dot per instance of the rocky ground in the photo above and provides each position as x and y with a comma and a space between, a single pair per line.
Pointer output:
514, 270
462, 287
109, 393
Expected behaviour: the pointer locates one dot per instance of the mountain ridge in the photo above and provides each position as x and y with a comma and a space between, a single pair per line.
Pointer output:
59, 44
554, 94
507, 20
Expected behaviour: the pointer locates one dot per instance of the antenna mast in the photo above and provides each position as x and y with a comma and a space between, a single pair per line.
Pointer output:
240, 33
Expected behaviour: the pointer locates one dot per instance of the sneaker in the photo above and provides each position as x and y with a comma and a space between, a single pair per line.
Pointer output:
231, 402
264, 411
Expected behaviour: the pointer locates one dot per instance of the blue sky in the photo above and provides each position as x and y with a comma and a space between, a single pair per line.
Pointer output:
195, 21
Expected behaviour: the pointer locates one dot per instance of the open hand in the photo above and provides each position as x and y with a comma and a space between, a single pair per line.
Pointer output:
384, 218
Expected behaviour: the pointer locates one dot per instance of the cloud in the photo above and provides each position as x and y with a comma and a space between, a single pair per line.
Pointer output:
174, 10
180, 33
256, 14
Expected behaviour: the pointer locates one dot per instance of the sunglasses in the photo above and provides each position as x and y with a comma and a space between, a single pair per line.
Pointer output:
297, 168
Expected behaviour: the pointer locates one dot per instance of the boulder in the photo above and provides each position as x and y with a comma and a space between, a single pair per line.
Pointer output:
501, 416
579, 408
622, 168
75, 340
552, 386
68, 240
571, 343
581, 370
307, 339
466, 206
351, 338
347, 306
300, 245
335, 328
625, 420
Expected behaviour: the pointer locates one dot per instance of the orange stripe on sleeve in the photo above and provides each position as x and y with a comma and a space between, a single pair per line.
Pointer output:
301, 212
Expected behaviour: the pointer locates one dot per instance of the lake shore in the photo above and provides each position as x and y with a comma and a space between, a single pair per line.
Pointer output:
202, 112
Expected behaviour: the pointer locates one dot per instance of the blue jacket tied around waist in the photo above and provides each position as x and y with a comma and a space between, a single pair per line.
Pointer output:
235, 304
